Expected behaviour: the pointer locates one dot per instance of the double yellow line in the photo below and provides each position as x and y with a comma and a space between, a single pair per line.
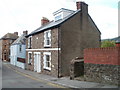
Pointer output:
33, 78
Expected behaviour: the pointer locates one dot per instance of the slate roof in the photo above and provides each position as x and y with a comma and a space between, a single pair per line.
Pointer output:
20, 40
10, 36
118, 40
53, 24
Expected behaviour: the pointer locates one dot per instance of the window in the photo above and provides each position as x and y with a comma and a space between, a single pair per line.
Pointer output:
29, 42
5, 46
58, 17
20, 48
47, 60
30, 58
47, 38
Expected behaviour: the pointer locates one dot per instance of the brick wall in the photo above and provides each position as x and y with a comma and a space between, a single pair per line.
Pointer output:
102, 65
108, 55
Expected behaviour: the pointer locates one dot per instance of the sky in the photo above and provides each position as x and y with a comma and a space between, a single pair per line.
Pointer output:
21, 15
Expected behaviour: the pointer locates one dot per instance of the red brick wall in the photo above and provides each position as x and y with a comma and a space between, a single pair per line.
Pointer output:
110, 55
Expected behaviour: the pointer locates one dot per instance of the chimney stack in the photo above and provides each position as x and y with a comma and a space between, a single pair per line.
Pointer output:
44, 21
25, 32
16, 33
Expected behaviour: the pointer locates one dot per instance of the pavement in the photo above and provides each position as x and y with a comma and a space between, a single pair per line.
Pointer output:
64, 81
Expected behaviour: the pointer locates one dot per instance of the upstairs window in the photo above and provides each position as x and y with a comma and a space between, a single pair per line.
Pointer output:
29, 42
47, 38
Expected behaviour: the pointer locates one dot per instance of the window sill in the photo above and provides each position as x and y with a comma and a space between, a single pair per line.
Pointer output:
47, 46
46, 68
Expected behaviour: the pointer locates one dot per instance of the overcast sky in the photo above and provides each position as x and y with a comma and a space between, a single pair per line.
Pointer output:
20, 15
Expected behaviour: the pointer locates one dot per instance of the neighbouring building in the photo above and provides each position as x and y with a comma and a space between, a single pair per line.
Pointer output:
102, 64
5, 43
0, 49
51, 47
18, 51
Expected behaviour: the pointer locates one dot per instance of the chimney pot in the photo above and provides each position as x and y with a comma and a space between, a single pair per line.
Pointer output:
25, 32
80, 4
16, 33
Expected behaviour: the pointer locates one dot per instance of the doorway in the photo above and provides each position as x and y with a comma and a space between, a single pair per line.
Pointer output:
37, 61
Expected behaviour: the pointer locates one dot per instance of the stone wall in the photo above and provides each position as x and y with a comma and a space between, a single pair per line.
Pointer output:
102, 65
38, 43
102, 73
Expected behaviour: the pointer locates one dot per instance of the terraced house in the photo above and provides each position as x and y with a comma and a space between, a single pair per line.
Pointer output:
5, 43
51, 47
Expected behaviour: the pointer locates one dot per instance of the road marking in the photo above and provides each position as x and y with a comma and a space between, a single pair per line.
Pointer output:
55, 85
33, 78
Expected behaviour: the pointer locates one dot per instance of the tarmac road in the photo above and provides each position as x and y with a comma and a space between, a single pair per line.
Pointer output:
12, 79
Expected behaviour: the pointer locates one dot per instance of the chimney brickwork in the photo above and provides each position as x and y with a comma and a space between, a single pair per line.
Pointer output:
44, 21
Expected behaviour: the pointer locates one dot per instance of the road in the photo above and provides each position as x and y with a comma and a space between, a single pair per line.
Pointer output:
12, 79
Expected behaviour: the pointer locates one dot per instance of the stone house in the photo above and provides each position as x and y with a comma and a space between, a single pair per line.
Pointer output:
18, 51
51, 47
5, 43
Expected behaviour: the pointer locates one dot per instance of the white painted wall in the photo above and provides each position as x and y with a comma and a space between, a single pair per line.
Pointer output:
14, 53
63, 12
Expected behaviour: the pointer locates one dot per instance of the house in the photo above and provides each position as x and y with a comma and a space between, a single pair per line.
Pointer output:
18, 51
51, 47
5, 43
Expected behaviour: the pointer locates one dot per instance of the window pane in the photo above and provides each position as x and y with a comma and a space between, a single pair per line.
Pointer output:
47, 61
47, 58
48, 42
47, 64
47, 39
30, 57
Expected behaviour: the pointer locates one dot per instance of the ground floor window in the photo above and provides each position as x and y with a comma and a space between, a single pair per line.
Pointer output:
30, 58
47, 60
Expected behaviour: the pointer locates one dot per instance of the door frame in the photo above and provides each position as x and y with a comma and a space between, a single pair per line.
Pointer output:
37, 61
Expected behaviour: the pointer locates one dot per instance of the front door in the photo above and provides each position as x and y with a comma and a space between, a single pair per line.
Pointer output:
37, 62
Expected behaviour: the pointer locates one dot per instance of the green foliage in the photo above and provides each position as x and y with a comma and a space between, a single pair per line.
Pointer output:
108, 43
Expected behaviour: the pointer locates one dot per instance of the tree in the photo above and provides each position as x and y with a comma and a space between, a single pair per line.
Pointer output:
108, 43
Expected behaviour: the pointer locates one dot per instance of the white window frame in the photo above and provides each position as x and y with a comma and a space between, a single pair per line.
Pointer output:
30, 42
44, 60
30, 61
47, 38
